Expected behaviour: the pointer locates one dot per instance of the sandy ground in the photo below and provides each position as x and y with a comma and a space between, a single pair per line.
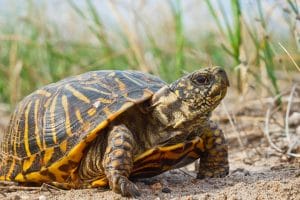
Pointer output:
267, 178
257, 171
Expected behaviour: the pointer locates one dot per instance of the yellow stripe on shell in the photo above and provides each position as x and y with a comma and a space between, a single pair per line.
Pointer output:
103, 100
63, 146
91, 111
52, 114
36, 123
121, 85
28, 162
15, 142
78, 94
11, 169
48, 155
46, 106
78, 116
107, 112
43, 92
131, 79
95, 90
66, 109
26, 131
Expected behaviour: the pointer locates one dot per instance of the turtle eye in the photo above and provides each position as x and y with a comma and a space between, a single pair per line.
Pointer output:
201, 80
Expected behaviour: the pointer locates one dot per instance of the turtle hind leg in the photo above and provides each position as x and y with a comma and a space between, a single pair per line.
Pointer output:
214, 158
118, 161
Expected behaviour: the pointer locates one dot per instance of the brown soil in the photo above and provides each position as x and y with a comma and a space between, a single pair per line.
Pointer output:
257, 171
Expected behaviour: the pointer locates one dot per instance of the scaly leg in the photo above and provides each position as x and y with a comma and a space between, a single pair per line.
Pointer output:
214, 159
118, 161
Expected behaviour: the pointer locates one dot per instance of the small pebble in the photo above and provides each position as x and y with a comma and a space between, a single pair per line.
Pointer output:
294, 119
42, 197
298, 130
17, 197
166, 190
156, 186
284, 158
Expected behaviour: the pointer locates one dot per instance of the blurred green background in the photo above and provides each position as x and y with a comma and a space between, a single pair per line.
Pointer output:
44, 41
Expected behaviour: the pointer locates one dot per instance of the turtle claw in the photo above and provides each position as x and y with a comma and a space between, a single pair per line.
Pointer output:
129, 189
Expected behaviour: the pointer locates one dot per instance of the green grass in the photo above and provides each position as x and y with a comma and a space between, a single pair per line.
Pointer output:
231, 31
34, 53
179, 36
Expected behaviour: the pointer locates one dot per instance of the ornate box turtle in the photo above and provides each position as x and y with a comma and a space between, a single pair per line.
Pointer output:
108, 127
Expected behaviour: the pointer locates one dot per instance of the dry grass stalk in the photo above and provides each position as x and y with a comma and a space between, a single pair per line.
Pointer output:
289, 55
235, 129
132, 37
291, 144
287, 132
267, 132
15, 188
15, 69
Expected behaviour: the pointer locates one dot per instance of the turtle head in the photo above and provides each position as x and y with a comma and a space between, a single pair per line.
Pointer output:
192, 96
202, 90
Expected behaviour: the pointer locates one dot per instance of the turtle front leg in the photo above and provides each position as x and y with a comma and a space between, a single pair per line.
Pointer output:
118, 161
214, 158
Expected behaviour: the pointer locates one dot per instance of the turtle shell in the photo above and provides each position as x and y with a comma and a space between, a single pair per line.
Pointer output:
51, 128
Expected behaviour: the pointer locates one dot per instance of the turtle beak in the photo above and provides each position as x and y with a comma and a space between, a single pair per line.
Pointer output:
223, 76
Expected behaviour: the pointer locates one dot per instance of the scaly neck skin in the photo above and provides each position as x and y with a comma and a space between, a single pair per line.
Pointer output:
171, 117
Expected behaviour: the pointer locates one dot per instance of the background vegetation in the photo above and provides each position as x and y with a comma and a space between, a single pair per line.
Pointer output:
254, 40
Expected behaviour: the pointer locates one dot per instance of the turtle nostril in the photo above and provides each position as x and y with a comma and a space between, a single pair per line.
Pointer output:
224, 78
221, 71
